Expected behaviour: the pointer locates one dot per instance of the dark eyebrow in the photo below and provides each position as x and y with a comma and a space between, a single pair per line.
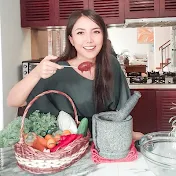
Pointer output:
96, 28
79, 29
84, 29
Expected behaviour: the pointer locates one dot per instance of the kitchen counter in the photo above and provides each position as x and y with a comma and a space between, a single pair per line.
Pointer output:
86, 167
152, 86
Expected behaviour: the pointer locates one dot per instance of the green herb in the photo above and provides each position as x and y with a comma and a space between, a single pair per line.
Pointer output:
37, 122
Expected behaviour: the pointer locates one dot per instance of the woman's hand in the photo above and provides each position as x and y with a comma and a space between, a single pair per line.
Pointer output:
137, 135
46, 68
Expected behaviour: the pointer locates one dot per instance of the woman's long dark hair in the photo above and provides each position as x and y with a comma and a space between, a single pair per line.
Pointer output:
103, 75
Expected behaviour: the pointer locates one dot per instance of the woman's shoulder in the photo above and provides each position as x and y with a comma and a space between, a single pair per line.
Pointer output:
114, 62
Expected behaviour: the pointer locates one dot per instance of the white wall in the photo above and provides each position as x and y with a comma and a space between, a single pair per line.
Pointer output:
15, 47
126, 38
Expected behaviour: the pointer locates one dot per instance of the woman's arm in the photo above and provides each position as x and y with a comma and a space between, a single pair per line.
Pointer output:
19, 93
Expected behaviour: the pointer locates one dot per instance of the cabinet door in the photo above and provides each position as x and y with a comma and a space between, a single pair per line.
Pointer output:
112, 11
63, 9
37, 13
168, 8
141, 9
144, 113
164, 113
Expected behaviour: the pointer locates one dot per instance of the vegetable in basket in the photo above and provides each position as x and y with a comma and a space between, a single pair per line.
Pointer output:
38, 122
32, 140
65, 140
42, 123
10, 134
83, 127
66, 122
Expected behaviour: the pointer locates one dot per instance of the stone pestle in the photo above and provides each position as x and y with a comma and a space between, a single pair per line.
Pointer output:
129, 105
124, 112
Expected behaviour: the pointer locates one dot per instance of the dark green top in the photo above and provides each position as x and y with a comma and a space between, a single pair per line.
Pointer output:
80, 90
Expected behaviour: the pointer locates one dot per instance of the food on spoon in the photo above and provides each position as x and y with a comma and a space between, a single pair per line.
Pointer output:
85, 66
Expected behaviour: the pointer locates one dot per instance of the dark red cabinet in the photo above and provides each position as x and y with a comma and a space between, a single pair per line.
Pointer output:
42, 13
167, 8
153, 110
164, 101
112, 11
141, 9
150, 8
63, 8
37, 13
144, 113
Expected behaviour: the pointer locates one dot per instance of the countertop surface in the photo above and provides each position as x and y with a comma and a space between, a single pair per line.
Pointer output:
152, 86
86, 167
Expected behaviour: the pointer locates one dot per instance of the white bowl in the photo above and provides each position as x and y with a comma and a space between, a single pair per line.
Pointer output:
159, 151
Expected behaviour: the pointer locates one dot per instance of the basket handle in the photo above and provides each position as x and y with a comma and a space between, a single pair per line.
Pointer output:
38, 96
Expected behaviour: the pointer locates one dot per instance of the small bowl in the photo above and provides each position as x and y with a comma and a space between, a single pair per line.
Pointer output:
159, 151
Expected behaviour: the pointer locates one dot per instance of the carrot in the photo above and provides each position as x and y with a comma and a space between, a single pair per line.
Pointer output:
37, 145
48, 136
51, 143
42, 141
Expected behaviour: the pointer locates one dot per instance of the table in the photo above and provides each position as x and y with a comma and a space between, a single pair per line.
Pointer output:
86, 167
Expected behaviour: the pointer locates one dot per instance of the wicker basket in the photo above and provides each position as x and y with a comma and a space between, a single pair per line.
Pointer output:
37, 162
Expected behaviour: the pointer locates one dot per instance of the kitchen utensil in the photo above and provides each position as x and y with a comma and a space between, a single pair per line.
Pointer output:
124, 112
112, 138
159, 151
84, 66
67, 66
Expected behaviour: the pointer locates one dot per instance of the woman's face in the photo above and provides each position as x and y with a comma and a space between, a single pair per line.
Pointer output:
87, 38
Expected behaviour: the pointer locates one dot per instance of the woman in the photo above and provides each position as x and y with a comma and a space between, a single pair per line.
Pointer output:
102, 88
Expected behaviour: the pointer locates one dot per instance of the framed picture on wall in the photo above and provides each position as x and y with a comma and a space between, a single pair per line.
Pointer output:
145, 35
